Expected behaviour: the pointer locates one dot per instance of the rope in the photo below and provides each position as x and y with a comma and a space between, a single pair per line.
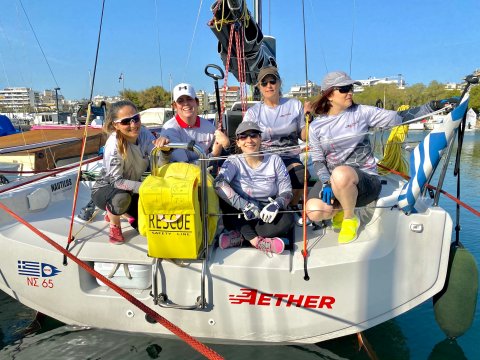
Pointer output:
227, 67
85, 133
304, 212
392, 156
204, 350
451, 197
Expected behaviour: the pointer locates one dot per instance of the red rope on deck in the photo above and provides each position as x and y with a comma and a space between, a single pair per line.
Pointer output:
201, 348
451, 197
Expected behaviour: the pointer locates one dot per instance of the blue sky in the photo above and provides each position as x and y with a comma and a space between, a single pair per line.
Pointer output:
422, 40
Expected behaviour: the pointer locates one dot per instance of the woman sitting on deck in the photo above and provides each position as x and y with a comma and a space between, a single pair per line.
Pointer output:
342, 155
125, 159
259, 186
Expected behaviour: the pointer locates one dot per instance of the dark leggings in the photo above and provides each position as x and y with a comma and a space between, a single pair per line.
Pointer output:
251, 229
297, 172
116, 201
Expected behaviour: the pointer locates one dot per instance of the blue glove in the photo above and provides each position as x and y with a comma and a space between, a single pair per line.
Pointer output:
327, 193
269, 211
251, 212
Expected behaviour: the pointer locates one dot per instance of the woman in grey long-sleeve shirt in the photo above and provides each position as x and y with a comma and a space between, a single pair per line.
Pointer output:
259, 186
125, 159
342, 154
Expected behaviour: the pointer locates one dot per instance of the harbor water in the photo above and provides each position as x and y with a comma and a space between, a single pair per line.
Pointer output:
413, 335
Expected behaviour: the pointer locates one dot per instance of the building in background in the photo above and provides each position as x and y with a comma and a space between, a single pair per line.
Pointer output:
202, 97
398, 80
232, 95
17, 99
300, 91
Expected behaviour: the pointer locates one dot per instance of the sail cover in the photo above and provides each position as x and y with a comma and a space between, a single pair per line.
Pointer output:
258, 52
426, 156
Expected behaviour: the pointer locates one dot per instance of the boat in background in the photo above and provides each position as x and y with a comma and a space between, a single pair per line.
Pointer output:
48, 148
422, 125
470, 123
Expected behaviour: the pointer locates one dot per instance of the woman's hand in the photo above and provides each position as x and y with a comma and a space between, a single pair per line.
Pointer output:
221, 142
307, 107
161, 143
222, 139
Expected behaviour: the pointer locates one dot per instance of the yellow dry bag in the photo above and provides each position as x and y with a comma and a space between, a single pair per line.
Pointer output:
169, 211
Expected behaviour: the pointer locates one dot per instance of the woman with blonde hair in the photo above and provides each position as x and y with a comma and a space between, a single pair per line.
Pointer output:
125, 159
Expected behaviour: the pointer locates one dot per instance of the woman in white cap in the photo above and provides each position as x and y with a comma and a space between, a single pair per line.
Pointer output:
187, 126
282, 122
342, 155
259, 186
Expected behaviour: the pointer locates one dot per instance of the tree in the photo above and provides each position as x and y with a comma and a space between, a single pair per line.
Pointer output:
155, 96
475, 98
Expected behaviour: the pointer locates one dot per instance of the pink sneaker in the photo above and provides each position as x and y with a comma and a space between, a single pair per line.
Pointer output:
230, 239
116, 236
271, 245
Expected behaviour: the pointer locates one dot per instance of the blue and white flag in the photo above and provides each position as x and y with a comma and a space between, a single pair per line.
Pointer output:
426, 156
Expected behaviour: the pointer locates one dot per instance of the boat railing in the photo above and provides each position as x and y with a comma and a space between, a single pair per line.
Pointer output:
162, 299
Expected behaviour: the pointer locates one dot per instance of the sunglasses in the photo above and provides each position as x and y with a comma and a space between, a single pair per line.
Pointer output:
251, 135
344, 89
126, 121
271, 82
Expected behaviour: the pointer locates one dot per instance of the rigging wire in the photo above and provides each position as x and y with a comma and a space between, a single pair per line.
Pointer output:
158, 43
305, 46
38, 42
193, 38
353, 32
92, 84
85, 135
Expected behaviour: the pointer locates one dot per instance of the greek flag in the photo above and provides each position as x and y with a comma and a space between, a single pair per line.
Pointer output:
426, 156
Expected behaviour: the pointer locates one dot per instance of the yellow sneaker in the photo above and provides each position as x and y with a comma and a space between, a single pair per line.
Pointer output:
337, 220
348, 232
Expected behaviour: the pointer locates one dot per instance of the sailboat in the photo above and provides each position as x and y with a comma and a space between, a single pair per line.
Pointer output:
235, 295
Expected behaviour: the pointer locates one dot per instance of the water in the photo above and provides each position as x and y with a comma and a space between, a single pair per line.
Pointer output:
414, 335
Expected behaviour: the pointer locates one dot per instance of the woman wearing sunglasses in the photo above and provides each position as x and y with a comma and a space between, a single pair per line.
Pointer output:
342, 155
282, 122
125, 159
187, 126
259, 186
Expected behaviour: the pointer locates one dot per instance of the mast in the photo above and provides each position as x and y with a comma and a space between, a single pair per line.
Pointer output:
257, 12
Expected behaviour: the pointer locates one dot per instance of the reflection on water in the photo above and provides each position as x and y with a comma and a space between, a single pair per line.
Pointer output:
413, 335
447, 349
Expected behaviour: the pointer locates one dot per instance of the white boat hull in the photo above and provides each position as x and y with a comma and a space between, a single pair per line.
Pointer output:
397, 263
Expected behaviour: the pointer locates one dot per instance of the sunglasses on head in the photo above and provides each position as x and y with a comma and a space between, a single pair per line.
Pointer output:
271, 82
344, 89
126, 121
251, 135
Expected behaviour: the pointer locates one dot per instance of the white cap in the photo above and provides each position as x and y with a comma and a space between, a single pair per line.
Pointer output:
183, 89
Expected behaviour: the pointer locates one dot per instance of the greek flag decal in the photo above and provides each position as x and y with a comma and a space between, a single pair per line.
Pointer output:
36, 269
